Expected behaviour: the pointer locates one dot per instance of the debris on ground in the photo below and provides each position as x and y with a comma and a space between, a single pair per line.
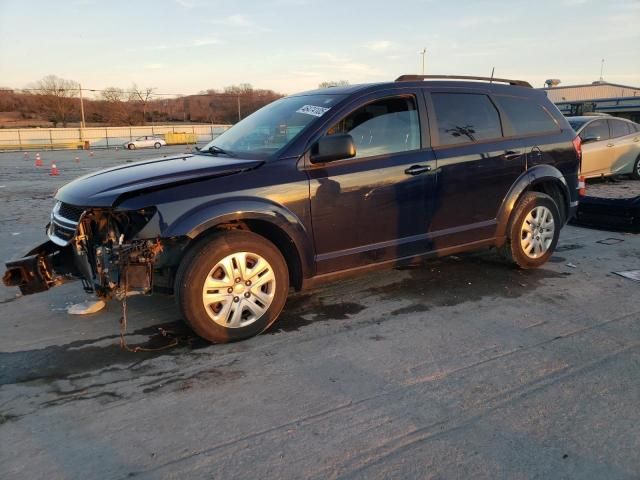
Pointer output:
630, 274
571, 265
86, 308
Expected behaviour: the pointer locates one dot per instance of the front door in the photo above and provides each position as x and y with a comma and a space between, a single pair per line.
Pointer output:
375, 206
597, 150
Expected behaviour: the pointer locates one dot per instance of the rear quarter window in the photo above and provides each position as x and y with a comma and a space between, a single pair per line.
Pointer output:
465, 117
526, 116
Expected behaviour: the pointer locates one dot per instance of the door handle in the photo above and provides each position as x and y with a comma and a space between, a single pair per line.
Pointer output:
610, 144
417, 169
509, 154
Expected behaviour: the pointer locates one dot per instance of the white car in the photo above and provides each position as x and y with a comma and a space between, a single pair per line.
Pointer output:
610, 146
145, 142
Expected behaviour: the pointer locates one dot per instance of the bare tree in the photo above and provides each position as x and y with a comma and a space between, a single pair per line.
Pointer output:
116, 108
334, 83
142, 95
57, 97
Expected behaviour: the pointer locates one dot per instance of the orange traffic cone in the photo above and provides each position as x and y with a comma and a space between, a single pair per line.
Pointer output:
38, 160
54, 170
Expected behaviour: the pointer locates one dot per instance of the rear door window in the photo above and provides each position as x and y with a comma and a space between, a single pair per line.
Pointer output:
465, 117
526, 116
596, 129
382, 127
618, 128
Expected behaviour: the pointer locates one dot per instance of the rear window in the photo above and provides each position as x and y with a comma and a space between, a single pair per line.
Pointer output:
576, 124
526, 116
465, 117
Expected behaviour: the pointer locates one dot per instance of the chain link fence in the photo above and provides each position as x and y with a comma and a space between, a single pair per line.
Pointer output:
16, 139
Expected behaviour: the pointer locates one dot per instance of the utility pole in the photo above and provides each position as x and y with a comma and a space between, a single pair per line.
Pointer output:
239, 115
423, 53
601, 68
82, 124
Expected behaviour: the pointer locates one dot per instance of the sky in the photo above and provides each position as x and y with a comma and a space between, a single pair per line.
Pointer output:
186, 46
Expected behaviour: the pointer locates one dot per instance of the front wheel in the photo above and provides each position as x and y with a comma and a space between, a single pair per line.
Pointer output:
131, 146
157, 145
533, 230
232, 287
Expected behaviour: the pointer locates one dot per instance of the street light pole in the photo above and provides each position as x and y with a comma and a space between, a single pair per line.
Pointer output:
423, 53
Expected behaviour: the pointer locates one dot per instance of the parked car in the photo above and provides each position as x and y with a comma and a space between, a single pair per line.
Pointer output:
610, 146
316, 186
146, 141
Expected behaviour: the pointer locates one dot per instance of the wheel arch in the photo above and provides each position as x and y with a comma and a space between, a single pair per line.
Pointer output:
541, 178
273, 222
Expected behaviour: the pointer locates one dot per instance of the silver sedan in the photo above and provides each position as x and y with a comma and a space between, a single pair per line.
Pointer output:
147, 141
610, 146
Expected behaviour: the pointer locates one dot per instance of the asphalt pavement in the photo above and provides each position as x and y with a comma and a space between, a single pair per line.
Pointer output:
461, 368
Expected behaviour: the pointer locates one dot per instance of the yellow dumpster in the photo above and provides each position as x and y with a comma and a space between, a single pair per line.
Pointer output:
180, 138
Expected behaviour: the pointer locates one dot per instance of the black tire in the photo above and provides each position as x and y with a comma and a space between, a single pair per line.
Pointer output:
635, 174
131, 146
197, 265
513, 249
157, 145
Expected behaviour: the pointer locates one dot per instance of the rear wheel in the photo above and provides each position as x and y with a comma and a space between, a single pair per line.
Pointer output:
157, 145
131, 146
534, 229
636, 169
232, 287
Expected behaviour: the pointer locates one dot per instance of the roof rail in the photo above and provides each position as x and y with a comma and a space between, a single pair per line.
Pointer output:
414, 78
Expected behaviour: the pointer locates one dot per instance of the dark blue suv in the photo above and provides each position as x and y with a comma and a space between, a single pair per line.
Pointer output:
315, 186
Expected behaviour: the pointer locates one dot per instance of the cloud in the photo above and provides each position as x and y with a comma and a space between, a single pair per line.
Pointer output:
186, 3
154, 66
379, 45
342, 65
203, 42
240, 22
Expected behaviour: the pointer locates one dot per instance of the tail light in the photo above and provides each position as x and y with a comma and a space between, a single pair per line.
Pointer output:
577, 144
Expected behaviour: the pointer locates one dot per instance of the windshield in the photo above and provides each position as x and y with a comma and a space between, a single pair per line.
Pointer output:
267, 131
576, 124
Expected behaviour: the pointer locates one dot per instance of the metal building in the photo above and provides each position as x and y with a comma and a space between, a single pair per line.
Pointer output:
597, 97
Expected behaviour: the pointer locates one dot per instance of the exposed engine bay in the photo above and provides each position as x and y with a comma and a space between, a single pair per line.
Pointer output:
101, 249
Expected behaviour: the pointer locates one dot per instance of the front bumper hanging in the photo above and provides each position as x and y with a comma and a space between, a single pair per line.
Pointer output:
46, 266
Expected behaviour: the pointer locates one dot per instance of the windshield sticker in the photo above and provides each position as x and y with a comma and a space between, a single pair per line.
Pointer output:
313, 110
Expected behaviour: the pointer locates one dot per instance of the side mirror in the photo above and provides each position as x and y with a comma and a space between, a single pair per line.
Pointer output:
590, 138
333, 147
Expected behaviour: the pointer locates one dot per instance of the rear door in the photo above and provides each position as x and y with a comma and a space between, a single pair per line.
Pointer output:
626, 147
597, 156
476, 165
376, 206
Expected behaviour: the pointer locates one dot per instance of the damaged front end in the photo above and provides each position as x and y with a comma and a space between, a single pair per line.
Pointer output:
99, 246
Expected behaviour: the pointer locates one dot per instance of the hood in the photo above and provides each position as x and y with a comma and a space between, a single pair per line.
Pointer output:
104, 188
